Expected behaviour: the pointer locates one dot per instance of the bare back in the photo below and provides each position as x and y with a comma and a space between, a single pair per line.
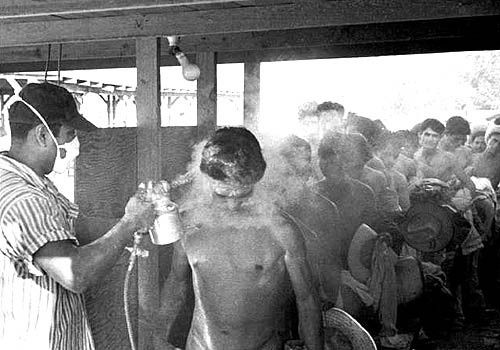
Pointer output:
240, 284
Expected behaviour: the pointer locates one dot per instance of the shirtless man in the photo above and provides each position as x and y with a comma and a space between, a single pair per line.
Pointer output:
477, 143
462, 269
355, 200
242, 256
487, 164
433, 162
389, 152
456, 132
316, 215
358, 169
331, 117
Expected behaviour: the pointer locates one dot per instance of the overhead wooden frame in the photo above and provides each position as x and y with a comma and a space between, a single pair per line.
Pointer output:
457, 34
290, 15
36, 9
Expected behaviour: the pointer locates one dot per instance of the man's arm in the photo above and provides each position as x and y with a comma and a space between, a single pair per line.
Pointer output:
461, 175
78, 267
174, 290
402, 190
306, 295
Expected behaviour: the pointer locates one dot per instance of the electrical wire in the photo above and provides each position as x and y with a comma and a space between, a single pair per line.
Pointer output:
59, 65
47, 62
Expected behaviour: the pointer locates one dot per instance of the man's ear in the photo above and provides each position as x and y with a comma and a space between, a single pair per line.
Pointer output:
41, 136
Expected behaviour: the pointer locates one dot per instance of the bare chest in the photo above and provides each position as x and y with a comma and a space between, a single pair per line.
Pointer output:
233, 251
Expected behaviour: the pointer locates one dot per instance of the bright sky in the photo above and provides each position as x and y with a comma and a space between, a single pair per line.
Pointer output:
399, 90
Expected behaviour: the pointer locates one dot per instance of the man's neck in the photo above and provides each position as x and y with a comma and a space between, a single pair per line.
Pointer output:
27, 159
428, 152
448, 147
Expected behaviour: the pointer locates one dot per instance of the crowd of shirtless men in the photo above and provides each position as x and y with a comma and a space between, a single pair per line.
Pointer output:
269, 229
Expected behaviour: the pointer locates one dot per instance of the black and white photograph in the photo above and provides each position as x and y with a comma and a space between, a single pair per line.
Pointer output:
249, 175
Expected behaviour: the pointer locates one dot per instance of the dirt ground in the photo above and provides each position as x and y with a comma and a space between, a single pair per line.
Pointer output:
484, 335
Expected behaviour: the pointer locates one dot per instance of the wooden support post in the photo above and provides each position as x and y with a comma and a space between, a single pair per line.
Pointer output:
108, 109
114, 101
207, 93
251, 95
148, 168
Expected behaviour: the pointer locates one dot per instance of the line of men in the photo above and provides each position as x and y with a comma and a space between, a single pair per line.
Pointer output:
242, 254
369, 172
266, 246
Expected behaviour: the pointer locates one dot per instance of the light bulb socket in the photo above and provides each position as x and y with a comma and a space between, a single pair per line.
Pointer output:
173, 40
174, 50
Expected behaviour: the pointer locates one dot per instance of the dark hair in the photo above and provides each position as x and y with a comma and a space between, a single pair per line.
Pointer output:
233, 154
398, 140
349, 149
330, 106
433, 124
457, 126
360, 152
403, 138
292, 143
20, 131
366, 127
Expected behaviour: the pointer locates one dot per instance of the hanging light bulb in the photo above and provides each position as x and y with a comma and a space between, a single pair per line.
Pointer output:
190, 71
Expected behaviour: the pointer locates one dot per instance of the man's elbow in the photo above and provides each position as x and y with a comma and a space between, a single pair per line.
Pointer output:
76, 283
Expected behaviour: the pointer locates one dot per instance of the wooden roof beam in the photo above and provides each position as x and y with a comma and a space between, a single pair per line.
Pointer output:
121, 53
303, 14
32, 9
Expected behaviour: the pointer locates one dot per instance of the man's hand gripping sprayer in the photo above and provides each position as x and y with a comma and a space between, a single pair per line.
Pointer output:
166, 229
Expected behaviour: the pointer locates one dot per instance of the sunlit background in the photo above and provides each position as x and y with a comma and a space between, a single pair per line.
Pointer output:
401, 91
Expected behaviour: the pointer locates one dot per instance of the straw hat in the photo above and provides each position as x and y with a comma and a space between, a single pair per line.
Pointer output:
409, 279
344, 323
359, 258
428, 226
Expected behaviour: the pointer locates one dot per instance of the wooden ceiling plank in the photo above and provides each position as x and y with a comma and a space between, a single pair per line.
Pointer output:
243, 19
32, 8
311, 37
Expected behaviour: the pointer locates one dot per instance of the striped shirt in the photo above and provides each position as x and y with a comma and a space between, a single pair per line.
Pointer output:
36, 312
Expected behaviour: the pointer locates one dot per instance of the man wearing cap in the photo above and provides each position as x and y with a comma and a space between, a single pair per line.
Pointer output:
43, 269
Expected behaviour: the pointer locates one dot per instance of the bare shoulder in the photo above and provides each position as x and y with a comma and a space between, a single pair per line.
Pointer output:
288, 234
399, 178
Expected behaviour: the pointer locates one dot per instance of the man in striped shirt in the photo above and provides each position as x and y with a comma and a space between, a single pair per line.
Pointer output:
43, 269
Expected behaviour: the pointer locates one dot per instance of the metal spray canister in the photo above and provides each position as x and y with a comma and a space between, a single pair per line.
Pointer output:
167, 227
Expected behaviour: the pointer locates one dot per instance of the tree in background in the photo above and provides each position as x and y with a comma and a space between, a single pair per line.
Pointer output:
482, 75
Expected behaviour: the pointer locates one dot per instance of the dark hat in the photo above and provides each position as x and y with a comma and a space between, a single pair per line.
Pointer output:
428, 226
54, 103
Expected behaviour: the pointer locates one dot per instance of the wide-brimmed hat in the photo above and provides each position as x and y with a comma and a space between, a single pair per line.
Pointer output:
408, 279
428, 226
359, 257
344, 323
